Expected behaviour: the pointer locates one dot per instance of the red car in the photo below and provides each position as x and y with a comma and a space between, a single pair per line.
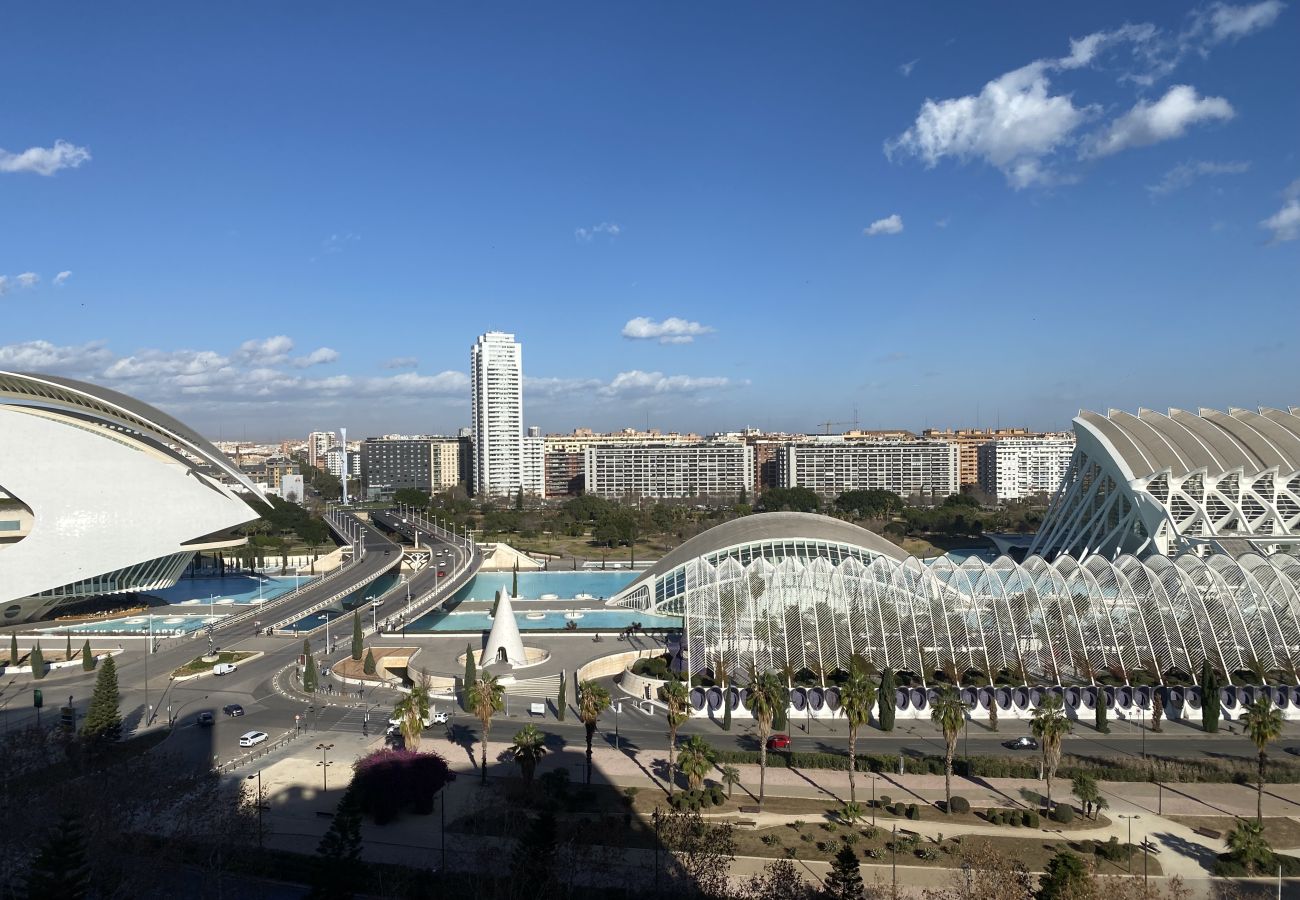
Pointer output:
778, 742
442, 573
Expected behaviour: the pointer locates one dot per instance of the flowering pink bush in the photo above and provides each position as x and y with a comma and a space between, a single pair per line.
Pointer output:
389, 782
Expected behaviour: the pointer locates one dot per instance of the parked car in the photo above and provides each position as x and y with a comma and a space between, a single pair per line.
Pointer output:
1021, 743
224, 669
439, 718
204, 718
325, 672
778, 742
234, 709
252, 738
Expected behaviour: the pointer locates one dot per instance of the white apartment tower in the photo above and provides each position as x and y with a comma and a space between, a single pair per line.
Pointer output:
497, 409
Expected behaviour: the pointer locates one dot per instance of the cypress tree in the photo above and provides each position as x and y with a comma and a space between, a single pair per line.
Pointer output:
67, 651
13, 649
1210, 709
339, 873
845, 879
309, 677
1103, 726
103, 723
886, 698
87, 657
514, 583
369, 666
563, 700
356, 635
471, 675
726, 711
60, 869
37, 660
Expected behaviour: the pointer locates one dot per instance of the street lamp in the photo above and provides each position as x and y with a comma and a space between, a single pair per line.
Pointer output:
324, 764
260, 807
326, 617
874, 779
1130, 838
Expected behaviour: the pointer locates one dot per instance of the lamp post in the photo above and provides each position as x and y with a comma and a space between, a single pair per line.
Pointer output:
1130, 838
260, 807
374, 610
326, 617
874, 779
324, 764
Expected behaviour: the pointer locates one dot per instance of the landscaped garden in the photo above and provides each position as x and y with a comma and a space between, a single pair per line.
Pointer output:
202, 664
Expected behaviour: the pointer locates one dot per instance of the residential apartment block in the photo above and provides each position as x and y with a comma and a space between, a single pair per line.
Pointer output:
670, 471
1017, 467
917, 468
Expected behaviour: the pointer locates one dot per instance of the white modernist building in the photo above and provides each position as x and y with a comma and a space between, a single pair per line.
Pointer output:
497, 410
1018, 467
110, 495
918, 468
720, 469
1169, 483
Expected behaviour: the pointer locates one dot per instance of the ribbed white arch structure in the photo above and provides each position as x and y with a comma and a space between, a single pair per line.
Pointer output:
1062, 622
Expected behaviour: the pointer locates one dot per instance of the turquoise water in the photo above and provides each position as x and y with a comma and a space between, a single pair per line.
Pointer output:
161, 625
532, 585
592, 620
228, 591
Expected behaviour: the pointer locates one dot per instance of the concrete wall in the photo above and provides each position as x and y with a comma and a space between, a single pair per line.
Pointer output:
615, 663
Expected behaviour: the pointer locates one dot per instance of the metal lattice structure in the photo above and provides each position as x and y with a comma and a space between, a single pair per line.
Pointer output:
1155, 483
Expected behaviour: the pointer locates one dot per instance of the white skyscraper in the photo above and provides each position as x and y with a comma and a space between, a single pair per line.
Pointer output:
497, 383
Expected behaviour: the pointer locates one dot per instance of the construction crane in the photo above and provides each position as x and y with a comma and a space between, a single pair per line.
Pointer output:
827, 426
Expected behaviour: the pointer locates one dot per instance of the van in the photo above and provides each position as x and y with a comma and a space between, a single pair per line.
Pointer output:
224, 669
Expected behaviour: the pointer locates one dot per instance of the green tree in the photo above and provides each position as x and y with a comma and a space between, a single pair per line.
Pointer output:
411, 497
857, 696
528, 748
471, 675
67, 650
1262, 723
795, 499
37, 661
1103, 702
514, 583
13, 649
696, 761
888, 688
1066, 878
368, 666
562, 701
1050, 726
844, 882
1210, 708
1247, 844
339, 873
726, 710
60, 870
949, 713
766, 697
103, 723
357, 642
993, 703
1084, 787
675, 697
486, 698
592, 701
87, 657
412, 711
309, 676
731, 778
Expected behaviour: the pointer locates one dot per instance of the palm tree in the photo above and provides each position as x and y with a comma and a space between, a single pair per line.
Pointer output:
949, 713
1050, 726
486, 697
731, 778
592, 701
528, 748
1262, 723
675, 696
766, 698
412, 711
696, 760
857, 697
1247, 844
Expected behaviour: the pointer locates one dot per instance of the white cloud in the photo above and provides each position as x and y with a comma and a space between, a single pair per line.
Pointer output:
268, 350
1169, 117
670, 331
411, 384
42, 356
1285, 223
906, 68
27, 280
888, 225
607, 228
336, 243
44, 160
317, 357
1183, 174
1227, 23
62, 278
401, 362
640, 384
4, 285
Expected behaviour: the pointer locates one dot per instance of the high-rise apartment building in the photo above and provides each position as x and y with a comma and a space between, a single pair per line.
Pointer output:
497, 410
533, 459
968, 442
318, 444
717, 470
924, 469
1019, 467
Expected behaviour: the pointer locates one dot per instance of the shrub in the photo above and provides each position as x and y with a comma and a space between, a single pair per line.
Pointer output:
871, 853
717, 797
959, 805
926, 853
1063, 814
1024, 818
885, 801
913, 812
389, 781
850, 838
1031, 819
771, 839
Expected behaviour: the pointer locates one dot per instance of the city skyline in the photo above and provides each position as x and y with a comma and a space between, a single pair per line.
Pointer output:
771, 220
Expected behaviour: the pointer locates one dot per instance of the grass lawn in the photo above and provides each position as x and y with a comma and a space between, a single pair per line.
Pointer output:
1282, 832
197, 665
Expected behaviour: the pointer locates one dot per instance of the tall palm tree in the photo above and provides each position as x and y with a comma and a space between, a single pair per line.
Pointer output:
766, 697
696, 760
1050, 726
949, 713
592, 701
1262, 723
486, 697
857, 697
528, 748
674, 695
412, 711
1246, 842
731, 778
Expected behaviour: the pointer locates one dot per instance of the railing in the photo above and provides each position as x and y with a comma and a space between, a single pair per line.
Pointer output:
316, 607
258, 752
261, 608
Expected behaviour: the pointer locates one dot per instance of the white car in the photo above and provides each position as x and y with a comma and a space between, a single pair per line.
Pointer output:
252, 738
439, 718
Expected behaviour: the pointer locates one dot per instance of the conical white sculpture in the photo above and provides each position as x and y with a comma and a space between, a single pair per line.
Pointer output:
504, 643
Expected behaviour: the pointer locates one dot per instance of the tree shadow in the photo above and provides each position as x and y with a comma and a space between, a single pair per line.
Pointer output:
463, 737
1202, 856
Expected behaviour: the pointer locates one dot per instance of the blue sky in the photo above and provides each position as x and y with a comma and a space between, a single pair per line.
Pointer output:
279, 217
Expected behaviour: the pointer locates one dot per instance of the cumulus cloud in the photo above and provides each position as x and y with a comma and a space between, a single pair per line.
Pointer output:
27, 280
639, 384
44, 160
670, 331
888, 225
42, 356
611, 229
4, 285
266, 350
62, 278
401, 362
1167, 118
317, 357
1285, 223
1184, 174
1230, 23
